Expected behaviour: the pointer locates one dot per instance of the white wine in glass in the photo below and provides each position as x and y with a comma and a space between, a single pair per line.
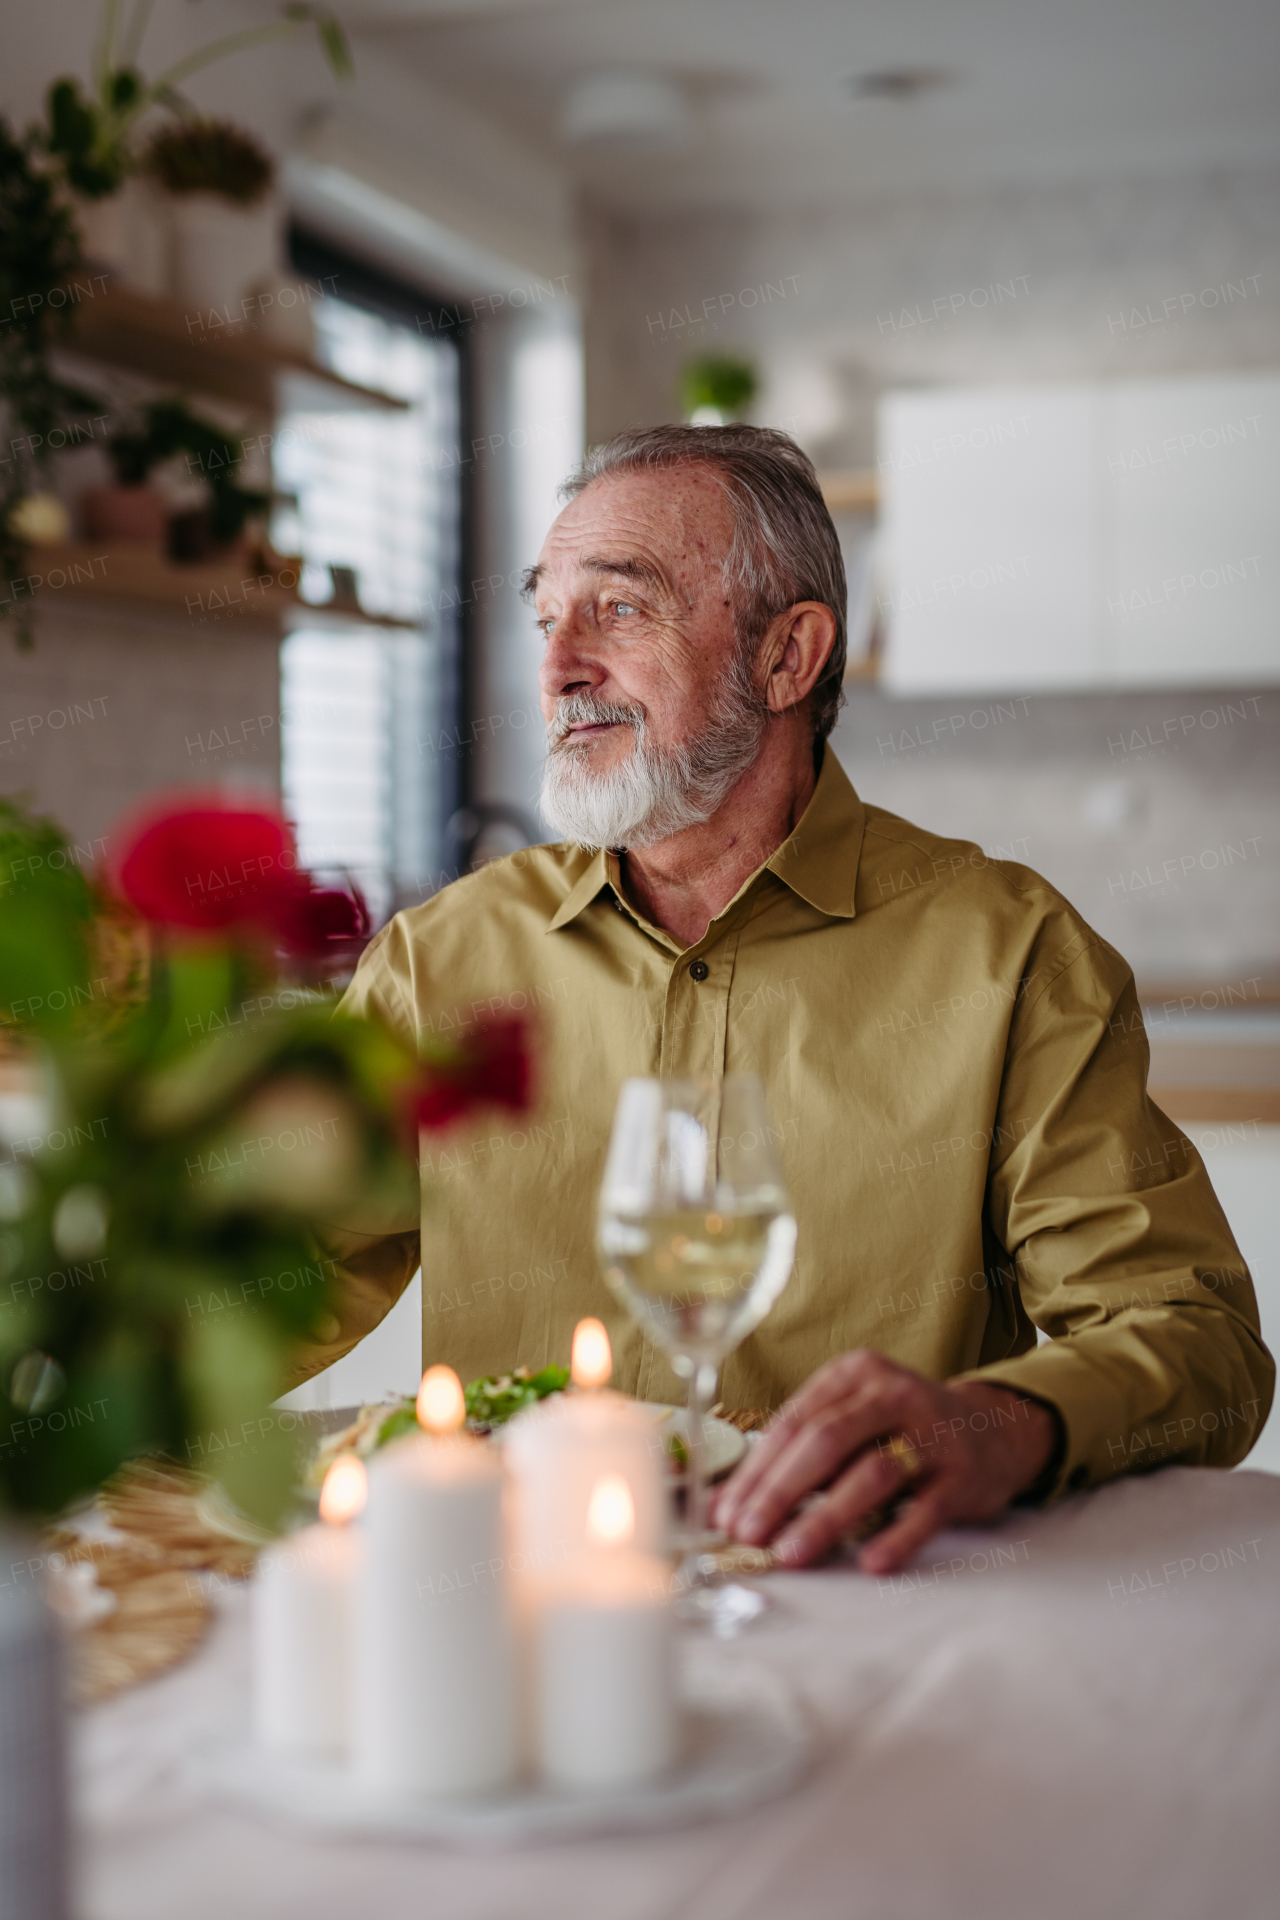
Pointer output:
697, 1239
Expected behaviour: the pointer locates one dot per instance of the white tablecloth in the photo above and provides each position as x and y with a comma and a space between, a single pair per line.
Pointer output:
1072, 1714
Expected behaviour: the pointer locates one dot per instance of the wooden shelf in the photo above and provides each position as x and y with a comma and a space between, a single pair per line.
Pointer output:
130, 570
305, 613
167, 341
851, 490
225, 588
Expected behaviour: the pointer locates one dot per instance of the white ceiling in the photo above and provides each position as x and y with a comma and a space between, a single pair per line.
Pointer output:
1042, 89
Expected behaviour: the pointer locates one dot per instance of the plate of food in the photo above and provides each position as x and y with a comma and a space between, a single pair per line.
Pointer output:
492, 1401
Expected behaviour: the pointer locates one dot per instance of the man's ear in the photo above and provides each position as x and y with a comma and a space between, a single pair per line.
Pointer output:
797, 648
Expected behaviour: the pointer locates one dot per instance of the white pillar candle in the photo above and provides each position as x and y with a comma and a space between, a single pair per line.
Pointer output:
559, 1450
301, 1631
435, 1668
604, 1657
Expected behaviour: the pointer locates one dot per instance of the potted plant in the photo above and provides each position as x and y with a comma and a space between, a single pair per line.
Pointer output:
199, 1123
133, 509
89, 137
223, 222
717, 389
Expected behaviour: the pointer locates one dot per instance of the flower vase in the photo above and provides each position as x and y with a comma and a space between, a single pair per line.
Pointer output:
34, 1841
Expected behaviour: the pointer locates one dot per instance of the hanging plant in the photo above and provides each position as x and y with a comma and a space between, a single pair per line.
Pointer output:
39, 253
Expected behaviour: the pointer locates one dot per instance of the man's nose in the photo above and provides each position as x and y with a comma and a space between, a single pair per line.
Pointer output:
567, 665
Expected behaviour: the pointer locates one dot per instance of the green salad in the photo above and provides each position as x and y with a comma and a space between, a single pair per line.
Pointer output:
490, 1402
493, 1399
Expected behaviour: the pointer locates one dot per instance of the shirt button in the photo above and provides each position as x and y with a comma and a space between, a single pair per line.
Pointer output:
698, 969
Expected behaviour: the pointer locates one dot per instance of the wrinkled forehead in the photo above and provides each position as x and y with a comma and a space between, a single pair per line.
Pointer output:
669, 529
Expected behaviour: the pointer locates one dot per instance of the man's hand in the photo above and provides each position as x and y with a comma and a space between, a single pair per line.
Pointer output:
863, 1429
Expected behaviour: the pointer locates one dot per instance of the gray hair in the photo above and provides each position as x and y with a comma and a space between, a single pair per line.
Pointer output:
784, 547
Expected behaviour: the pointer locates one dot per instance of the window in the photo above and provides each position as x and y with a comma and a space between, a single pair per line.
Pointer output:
378, 493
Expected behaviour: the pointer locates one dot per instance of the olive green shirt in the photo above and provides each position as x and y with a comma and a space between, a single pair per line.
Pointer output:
956, 1070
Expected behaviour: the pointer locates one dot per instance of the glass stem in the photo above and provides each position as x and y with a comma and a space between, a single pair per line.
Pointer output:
702, 1387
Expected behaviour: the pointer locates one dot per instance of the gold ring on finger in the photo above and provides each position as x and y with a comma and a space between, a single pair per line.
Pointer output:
905, 1458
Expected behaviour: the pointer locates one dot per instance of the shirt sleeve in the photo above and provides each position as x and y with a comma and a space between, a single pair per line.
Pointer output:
372, 1261
1122, 1253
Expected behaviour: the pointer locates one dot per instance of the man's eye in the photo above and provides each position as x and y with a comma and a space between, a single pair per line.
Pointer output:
624, 607
545, 626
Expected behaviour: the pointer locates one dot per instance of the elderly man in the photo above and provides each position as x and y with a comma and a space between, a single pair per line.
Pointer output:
954, 1061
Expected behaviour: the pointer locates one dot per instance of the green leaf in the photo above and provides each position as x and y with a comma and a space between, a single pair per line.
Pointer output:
396, 1425
43, 965
336, 50
72, 123
232, 1369
124, 88
550, 1380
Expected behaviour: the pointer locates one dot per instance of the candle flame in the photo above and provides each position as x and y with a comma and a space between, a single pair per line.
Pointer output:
611, 1515
441, 1407
345, 1490
592, 1360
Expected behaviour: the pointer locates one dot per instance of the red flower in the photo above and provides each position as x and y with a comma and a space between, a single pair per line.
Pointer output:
321, 921
493, 1069
209, 866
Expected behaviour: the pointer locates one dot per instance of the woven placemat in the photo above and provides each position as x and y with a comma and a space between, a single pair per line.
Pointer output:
157, 1615
150, 1534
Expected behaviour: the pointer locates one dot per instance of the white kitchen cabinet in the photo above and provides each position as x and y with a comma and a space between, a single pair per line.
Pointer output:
988, 548
1122, 534
1192, 520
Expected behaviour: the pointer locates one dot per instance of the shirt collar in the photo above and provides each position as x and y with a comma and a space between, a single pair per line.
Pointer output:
591, 879
819, 860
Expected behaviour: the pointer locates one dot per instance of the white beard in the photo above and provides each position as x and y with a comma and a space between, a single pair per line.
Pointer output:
654, 792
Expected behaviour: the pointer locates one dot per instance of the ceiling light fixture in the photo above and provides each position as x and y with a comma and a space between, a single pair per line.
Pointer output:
628, 112
897, 83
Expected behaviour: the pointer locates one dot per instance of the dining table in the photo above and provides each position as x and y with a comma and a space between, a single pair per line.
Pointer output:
1071, 1712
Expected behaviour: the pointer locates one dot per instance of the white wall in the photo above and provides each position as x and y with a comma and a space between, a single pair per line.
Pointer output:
1246, 1178
1034, 284
387, 1361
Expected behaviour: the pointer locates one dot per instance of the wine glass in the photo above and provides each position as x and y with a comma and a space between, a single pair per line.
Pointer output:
697, 1239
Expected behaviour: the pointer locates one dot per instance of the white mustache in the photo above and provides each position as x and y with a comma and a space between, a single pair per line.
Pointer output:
584, 710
